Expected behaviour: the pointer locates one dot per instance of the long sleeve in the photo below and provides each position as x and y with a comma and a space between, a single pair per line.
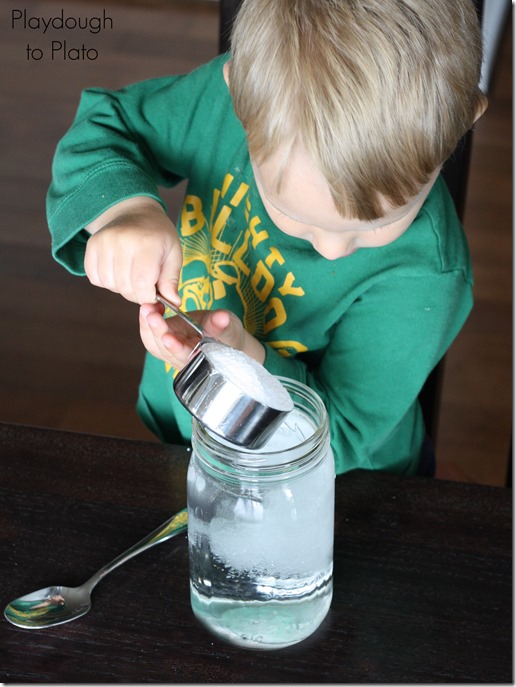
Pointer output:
123, 144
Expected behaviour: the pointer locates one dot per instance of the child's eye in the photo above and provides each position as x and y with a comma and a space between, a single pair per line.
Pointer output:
284, 216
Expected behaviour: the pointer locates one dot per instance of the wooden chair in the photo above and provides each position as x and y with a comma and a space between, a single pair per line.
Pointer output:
455, 173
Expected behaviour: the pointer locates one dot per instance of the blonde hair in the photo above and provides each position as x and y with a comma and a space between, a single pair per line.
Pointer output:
379, 92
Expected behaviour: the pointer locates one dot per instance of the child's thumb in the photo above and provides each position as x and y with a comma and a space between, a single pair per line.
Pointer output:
224, 326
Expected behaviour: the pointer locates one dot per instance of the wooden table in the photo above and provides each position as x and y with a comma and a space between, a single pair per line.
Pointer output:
423, 585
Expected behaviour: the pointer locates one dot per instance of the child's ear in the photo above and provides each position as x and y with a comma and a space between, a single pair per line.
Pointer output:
226, 70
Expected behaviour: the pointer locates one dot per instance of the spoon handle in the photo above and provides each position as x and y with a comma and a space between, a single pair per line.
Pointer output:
175, 525
181, 314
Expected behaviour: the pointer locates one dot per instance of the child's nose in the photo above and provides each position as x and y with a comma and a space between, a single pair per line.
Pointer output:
333, 247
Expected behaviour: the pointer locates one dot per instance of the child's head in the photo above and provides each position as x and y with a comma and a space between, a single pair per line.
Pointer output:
377, 93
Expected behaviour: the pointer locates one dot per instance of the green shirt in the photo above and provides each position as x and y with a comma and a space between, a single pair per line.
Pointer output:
363, 331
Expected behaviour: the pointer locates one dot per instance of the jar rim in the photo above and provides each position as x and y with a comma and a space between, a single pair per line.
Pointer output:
231, 459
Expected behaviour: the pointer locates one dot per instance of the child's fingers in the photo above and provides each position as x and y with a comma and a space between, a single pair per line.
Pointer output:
91, 264
108, 267
101, 271
173, 339
168, 280
133, 262
222, 325
160, 338
137, 280
228, 328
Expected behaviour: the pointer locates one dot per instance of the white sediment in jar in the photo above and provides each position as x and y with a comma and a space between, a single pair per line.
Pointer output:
279, 529
248, 376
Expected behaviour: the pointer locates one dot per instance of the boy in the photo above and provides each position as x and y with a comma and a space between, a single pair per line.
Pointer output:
316, 233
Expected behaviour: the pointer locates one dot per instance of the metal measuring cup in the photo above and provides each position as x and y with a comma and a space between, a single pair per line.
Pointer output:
222, 404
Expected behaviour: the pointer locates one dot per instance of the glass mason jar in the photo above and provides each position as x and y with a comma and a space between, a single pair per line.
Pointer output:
260, 529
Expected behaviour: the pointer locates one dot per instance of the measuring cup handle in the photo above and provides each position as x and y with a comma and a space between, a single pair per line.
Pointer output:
181, 314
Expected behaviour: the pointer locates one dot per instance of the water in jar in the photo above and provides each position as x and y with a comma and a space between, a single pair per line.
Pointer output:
261, 554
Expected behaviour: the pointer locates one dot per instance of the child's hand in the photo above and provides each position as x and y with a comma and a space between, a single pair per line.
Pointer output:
172, 340
134, 249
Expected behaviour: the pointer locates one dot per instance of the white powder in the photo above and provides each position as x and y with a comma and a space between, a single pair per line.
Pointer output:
248, 376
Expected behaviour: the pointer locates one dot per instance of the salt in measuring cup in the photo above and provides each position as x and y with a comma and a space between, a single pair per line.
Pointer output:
228, 392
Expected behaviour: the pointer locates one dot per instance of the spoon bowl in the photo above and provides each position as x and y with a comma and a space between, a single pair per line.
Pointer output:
57, 605
48, 607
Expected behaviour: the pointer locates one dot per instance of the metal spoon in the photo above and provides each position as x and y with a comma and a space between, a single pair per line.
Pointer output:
57, 605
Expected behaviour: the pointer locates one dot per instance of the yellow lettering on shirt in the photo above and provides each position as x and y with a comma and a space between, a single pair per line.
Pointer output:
192, 216
262, 281
225, 272
239, 194
258, 236
219, 289
226, 184
274, 256
287, 349
275, 315
288, 289
238, 256
218, 223
230, 266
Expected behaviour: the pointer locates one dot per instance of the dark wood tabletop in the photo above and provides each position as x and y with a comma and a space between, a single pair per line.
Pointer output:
422, 587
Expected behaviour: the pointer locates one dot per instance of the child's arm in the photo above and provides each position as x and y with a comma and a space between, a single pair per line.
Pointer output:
105, 214
134, 249
122, 145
